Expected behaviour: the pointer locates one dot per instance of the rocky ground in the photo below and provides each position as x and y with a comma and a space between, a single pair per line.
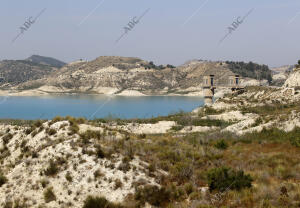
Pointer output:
55, 157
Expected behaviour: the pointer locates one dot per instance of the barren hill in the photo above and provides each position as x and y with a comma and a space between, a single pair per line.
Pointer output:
116, 74
113, 75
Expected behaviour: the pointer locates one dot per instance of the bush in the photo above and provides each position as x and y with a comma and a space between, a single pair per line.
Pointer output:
177, 128
98, 173
74, 129
51, 131
189, 188
29, 130
210, 122
224, 178
57, 119
69, 177
221, 144
99, 152
38, 123
294, 137
3, 179
99, 202
182, 171
7, 138
49, 195
88, 135
8, 204
44, 183
153, 195
276, 135
118, 184
52, 169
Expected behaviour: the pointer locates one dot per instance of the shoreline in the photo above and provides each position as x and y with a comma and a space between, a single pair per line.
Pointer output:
126, 93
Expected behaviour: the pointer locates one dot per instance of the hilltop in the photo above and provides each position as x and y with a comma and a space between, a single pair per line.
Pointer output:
46, 61
14, 72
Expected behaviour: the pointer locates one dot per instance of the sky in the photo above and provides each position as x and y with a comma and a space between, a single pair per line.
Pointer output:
170, 32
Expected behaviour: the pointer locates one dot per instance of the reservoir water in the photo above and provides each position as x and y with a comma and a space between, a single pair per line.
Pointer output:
95, 106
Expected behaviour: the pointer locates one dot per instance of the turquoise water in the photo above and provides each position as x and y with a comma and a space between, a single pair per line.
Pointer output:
100, 106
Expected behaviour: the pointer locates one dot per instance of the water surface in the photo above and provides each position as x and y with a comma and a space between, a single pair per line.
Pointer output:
99, 106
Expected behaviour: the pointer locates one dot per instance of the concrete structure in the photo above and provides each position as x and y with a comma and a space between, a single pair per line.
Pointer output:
234, 83
209, 89
1, 77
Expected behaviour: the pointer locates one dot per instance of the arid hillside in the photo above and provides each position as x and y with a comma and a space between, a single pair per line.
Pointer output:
113, 75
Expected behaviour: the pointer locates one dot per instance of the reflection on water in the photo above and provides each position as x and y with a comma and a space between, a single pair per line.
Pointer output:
95, 106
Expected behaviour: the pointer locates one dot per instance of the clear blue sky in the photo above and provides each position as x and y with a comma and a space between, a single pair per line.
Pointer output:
269, 35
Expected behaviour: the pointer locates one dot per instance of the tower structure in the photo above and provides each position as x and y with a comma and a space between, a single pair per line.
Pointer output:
209, 89
234, 83
1, 77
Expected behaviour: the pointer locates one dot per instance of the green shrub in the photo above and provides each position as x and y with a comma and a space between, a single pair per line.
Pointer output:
34, 133
276, 135
209, 122
44, 183
99, 152
189, 188
177, 128
3, 179
52, 169
257, 122
221, 144
7, 138
153, 195
224, 178
212, 111
88, 135
29, 130
49, 195
74, 129
99, 202
38, 123
294, 137
118, 184
69, 177
56, 119
142, 136
51, 131
124, 166
8, 204
182, 171
98, 173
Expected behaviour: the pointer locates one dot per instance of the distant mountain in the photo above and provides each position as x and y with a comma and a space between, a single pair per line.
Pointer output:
46, 61
14, 72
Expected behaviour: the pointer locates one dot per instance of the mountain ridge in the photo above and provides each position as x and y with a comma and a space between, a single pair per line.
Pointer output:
113, 74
